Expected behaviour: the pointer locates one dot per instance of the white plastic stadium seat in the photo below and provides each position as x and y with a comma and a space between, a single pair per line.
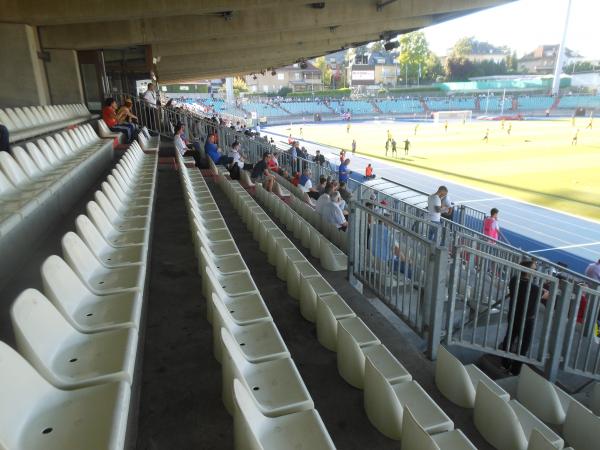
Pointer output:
330, 309
85, 311
254, 431
544, 399
276, 385
458, 383
414, 437
582, 428
259, 341
34, 415
65, 357
354, 340
507, 425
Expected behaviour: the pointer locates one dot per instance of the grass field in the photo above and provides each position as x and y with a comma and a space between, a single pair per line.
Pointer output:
536, 162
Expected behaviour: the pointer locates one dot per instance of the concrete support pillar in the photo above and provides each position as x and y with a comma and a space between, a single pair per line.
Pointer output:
23, 75
64, 79
229, 90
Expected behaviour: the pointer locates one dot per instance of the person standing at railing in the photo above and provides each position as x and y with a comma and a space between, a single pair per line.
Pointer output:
524, 295
593, 271
435, 209
343, 172
490, 225
151, 110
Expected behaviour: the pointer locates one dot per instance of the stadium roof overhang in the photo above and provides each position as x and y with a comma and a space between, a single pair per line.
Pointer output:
193, 39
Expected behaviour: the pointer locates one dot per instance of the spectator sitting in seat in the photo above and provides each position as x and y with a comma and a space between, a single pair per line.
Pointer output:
238, 158
306, 184
332, 213
369, 172
324, 198
182, 147
4, 139
382, 242
322, 185
124, 113
344, 192
260, 173
214, 152
109, 115
296, 179
273, 162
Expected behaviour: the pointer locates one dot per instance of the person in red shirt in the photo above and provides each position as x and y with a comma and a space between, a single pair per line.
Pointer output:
369, 172
109, 115
490, 225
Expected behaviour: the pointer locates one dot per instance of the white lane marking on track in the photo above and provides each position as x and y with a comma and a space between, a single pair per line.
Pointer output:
588, 244
462, 202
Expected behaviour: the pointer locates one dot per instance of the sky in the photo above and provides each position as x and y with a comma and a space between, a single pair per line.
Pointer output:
523, 25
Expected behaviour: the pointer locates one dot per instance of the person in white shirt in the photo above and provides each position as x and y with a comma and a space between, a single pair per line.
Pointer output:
332, 213
434, 204
181, 146
238, 158
150, 95
323, 199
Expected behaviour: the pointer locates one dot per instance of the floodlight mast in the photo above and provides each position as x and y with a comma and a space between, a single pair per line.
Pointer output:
560, 57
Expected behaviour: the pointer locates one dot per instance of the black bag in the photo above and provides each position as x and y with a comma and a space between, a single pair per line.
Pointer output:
234, 171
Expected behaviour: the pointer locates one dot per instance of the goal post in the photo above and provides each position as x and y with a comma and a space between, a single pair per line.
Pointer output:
452, 116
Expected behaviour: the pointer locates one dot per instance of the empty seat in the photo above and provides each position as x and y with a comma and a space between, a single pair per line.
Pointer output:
330, 309
66, 358
253, 430
414, 437
310, 288
354, 339
258, 341
581, 428
86, 311
276, 385
35, 415
386, 399
507, 425
97, 277
595, 400
458, 383
544, 399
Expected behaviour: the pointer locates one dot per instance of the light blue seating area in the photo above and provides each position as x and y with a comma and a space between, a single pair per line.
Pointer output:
535, 102
355, 107
264, 109
450, 104
400, 106
494, 104
306, 107
579, 101
221, 106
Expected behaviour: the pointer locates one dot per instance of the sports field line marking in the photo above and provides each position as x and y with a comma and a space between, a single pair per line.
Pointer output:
565, 247
462, 202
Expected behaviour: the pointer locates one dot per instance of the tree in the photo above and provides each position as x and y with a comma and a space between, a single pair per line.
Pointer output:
377, 46
414, 53
463, 47
326, 73
240, 84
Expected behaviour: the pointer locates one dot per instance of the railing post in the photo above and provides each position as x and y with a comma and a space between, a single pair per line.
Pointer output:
437, 298
461, 215
354, 235
557, 334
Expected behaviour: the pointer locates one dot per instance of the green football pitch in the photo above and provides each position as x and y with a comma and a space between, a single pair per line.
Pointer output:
537, 162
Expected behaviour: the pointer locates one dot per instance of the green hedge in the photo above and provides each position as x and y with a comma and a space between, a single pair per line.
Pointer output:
414, 90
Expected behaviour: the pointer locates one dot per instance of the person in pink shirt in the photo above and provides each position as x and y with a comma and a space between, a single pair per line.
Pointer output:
490, 225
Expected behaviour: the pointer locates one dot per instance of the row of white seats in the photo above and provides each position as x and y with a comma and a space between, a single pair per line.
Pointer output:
261, 386
69, 386
330, 256
29, 121
363, 361
519, 423
304, 205
41, 180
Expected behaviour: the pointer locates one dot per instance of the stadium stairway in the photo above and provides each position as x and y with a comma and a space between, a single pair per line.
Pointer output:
375, 107
424, 105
